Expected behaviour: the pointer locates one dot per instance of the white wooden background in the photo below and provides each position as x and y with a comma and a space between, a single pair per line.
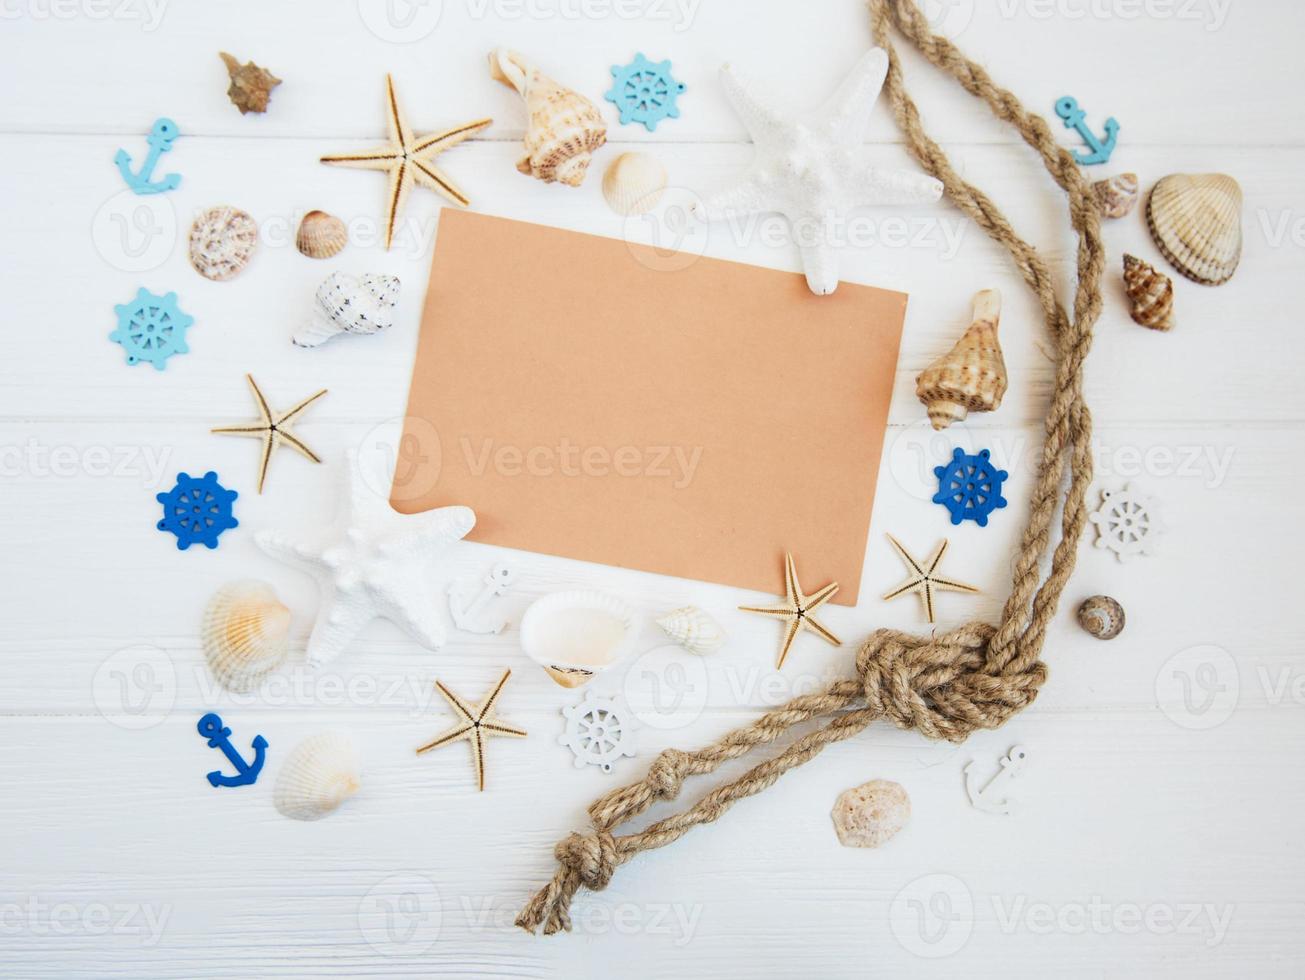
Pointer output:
1158, 827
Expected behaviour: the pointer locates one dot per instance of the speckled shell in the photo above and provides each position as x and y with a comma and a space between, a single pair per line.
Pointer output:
343, 304
872, 814
1151, 293
693, 629
318, 775
971, 377
1117, 195
633, 183
1196, 221
251, 86
1102, 617
321, 235
244, 634
564, 129
222, 241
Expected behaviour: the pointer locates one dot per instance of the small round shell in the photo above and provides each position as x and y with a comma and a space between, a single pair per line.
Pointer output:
633, 183
244, 634
319, 774
693, 629
1117, 195
1196, 221
1101, 616
222, 241
321, 235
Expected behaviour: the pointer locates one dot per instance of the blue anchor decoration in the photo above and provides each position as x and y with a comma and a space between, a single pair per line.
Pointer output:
1068, 110
219, 737
162, 133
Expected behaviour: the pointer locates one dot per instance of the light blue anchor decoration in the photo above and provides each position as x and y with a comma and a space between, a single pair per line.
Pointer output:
219, 737
162, 133
1068, 110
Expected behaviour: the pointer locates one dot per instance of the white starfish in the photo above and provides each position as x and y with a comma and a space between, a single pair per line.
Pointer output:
812, 170
375, 563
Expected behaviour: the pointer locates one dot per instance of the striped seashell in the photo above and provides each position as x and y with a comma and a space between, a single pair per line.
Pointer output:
633, 183
693, 629
1152, 293
318, 775
971, 377
321, 235
1117, 195
244, 634
1196, 221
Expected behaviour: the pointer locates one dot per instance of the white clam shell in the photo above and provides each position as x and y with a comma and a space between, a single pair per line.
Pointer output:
693, 629
319, 774
633, 183
244, 634
575, 635
345, 304
1196, 221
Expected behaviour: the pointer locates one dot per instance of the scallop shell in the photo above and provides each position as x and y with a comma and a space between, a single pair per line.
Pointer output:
1152, 293
251, 86
1196, 221
634, 183
344, 304
693, 629
1101, 616
971, 377
1117, 195
321, 235
576, 635
222, 241
319, 774
564, 129
244, 634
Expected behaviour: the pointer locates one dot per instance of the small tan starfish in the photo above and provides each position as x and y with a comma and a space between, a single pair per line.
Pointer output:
798, 609
923, 581
273, 429
477, 722
408, 159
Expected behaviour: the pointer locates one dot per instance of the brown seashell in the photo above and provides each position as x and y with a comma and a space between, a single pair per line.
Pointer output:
1102, 617
1152, 293
321, 235
251, 86
1196, 221
1117, 195
565, 128
222, 241
971, 377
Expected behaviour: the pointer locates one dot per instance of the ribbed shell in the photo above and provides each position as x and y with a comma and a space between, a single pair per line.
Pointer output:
971, 377
319, 774
1102, 617
321, 235
693, 629
1117, 195
1151, 293
565, 128
244, 634
222, 241
1196, 221
633, 183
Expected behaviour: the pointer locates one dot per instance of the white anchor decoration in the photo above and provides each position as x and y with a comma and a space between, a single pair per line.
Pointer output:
985, 798
466, 614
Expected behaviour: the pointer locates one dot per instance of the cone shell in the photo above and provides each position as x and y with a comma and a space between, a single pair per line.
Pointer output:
1117, 195
251, 86
564, 129
971, 377
1151, 292
634, 183
244, 634
319, 774
222, 241
693, 629
1102, 617
321, 235
1196, 221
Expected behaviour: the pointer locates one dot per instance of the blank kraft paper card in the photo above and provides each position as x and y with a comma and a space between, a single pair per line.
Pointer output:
591, 399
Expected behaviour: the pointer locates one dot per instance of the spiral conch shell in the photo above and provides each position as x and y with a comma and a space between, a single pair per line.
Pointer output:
565, 128
971, 377
693, 629
1196, 221
344, 304
244, 634
1152, 293
319, 774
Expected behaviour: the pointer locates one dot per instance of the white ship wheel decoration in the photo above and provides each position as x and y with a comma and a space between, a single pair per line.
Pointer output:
1128, 522
599, 731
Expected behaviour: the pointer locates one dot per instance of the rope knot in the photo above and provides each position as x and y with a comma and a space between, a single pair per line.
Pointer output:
666, 774
593, 859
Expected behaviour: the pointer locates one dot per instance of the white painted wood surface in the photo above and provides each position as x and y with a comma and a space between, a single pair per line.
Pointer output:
1158, 827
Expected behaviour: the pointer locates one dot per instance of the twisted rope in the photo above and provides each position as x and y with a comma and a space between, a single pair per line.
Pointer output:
948, 686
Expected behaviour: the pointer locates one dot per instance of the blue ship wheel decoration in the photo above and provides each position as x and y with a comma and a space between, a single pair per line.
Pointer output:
970, 487
644, 92
162, 133
151, 328
197, 510
219, 737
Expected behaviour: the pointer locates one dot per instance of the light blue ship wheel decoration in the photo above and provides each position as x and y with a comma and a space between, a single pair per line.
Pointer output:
644, 92
151, 328
970, 487
162, 133
197, 510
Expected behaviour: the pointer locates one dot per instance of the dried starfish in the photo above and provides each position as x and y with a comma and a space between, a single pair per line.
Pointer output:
408, 159
477, 722
797, 610
273, 429
922, 579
